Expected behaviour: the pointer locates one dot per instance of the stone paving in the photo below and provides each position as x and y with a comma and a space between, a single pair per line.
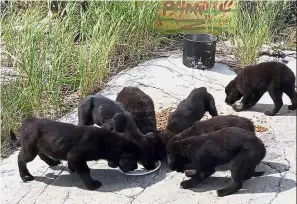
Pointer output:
168, 81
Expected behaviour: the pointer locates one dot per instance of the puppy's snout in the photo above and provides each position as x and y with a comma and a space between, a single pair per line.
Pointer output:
228, 102
135, 166
149, 165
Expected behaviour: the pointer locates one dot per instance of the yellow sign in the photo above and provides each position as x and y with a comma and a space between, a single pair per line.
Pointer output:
202, 16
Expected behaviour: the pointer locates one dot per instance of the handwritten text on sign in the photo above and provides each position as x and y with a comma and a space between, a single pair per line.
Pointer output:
195, 15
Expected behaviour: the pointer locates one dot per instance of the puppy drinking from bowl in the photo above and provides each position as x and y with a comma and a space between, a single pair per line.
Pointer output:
141, 106
100, 110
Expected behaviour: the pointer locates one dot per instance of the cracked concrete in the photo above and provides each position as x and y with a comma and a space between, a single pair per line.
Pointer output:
168, 81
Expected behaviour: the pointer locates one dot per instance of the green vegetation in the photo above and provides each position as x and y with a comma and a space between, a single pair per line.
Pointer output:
55, 72
52, 66
255, 23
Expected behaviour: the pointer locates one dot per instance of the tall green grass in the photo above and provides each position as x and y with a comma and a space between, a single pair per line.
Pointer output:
254, 24
52, 66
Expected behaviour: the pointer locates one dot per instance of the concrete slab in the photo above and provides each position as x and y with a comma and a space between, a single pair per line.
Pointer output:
168, 81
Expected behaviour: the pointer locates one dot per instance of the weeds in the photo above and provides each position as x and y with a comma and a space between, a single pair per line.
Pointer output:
55, 71
254, 24
52, 65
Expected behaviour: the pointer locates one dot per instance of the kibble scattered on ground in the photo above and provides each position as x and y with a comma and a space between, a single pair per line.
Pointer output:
162, 117
260, 128
163, 114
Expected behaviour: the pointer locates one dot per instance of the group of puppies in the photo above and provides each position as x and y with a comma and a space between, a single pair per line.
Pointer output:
128, 132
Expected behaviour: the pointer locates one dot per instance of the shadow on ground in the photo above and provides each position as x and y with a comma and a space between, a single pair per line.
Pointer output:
269, 167
112, 180
261, 108
264, 184
222, 69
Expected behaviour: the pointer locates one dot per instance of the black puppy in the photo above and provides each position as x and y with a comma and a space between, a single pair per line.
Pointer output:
141, 106
125, 123
99, 110
215, 124
53, 141
254, 80
240, 147
191, 109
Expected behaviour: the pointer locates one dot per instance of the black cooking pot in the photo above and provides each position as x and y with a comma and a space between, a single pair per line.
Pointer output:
199, 51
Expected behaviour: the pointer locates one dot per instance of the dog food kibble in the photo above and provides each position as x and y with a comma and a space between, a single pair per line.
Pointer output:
162, 117
260, 128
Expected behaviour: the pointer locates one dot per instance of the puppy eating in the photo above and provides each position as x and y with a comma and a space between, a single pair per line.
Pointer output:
53, 141
109, 114
198, 156
254, 80
191, 109
141, 107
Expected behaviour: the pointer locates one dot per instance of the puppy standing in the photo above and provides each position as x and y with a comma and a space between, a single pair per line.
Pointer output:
77, 144
191, 109
141, 106
240, 147
254, 80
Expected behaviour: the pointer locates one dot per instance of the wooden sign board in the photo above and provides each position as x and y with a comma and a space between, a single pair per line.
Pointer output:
196, 16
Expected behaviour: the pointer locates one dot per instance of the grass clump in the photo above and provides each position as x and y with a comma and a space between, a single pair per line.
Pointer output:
52, 66
254, 24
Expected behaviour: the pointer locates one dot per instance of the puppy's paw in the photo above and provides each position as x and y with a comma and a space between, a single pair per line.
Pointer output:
71, 167
292, 107
237, 107
269, 113
112, 164
247, 177
221, 193
190, 173
54, 163
188, 184
95, 185
28, 177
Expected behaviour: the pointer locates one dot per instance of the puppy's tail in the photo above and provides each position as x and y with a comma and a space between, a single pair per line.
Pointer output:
14, 139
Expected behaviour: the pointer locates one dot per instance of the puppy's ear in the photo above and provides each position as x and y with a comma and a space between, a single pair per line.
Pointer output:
119, 122
210, 105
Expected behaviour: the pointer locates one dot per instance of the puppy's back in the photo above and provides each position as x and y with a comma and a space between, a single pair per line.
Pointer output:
141, 106
223, 121
268, 72
220, 146
188, 110
98, 100
215, 124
